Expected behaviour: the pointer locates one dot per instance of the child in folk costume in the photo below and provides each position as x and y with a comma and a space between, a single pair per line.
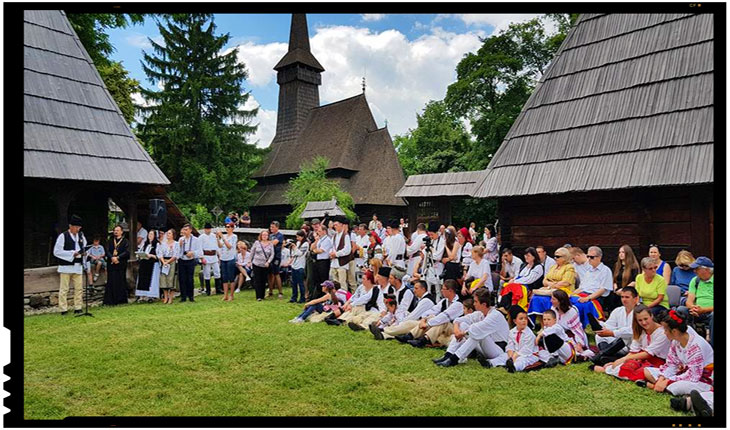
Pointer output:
689, 364
568, 317
395, 314
522, 351
649, 348
555, 345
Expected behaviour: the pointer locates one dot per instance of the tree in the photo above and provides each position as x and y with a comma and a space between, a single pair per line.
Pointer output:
91, 29
195, 125
312, 185
437, 144
495, 82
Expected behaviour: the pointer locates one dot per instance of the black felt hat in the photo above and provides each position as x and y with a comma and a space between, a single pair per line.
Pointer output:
207, 225
75, 220
515, 310
394, 223
553, 342
384, 271
433, 227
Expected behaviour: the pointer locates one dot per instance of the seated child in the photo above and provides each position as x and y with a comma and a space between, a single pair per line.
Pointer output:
555, 346
95, 259
394, 315
521, 349
649, 348
689, 364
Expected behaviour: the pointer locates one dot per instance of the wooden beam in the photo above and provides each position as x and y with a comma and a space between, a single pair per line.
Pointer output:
63, 198
700, 223
132, 205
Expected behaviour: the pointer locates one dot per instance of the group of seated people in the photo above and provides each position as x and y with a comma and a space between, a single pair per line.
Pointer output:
548, 303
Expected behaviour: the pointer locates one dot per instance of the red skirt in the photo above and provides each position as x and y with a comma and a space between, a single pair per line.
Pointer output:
633, 370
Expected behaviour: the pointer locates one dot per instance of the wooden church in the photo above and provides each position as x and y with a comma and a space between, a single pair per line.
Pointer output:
361, 155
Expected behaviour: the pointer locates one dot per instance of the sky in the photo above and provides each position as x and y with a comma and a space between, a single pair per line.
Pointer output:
407, 60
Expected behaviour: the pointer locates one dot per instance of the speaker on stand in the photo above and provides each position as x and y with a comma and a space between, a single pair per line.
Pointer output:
157, 219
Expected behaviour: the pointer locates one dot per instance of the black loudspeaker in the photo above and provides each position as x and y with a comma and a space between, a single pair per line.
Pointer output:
158, 214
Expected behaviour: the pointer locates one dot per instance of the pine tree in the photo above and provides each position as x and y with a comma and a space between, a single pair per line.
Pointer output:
195, 126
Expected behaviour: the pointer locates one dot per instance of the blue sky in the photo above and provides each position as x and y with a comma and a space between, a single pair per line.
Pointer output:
407, 59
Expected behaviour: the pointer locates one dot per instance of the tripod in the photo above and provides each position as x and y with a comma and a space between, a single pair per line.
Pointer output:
433, 282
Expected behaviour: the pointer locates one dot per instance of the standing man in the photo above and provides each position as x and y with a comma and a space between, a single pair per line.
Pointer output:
414, 248
209, 243
311, 286
190, 251
362, 242
395, 246
141, 234
341, 254
68, 251
373, 223
277, 239
351, 266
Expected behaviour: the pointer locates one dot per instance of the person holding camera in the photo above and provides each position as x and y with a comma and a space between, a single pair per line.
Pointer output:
299, 251
68, 251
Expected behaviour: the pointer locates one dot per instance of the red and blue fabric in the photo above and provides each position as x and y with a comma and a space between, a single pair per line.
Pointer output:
587, 308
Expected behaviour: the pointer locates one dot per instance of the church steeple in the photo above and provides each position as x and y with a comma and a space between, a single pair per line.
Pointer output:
299, 77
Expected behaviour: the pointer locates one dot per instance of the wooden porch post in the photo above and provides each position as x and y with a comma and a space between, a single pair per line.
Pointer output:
132, 204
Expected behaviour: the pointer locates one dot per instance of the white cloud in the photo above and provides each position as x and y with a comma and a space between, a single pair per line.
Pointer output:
500, 21
266, 120
372, 16
141, 41
260, 61
401, 75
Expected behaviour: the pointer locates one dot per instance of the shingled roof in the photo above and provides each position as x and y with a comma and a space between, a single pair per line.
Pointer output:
627, 102
299, 51
450, 184
72, 127
336, 130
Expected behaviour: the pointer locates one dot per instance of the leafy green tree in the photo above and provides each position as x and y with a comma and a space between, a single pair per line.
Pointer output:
495, 82
195, 126
91, 29
312, 185
437, 144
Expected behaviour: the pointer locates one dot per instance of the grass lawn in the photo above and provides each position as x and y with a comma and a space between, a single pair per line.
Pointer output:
244, 358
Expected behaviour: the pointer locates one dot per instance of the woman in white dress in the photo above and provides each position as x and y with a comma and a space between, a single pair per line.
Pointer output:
148, 277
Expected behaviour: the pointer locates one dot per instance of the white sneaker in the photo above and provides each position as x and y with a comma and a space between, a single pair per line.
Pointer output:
238, 290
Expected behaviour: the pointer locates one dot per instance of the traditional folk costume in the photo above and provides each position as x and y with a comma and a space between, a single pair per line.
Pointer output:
489, 336
366, 307
521, 342
556, 343
423, 305
70, 268
688, 368
394, 247
464, 321
528, 279
343, 255
655, 344
571, 323
439, 321
393, 318
168, 250
413, 250
148, 276
209, 244
620, 323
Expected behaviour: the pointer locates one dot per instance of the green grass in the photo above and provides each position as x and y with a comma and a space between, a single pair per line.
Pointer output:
244, 358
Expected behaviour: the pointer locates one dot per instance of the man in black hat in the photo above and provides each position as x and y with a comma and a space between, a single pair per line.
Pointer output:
68, 251
394, 245
341, 254
437, 247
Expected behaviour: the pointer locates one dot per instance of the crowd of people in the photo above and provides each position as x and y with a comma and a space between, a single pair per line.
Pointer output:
443, 286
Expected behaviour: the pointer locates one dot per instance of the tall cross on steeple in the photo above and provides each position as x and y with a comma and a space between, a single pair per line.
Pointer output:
363, 84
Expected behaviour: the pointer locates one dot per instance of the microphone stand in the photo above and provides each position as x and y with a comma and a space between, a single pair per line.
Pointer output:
86, 312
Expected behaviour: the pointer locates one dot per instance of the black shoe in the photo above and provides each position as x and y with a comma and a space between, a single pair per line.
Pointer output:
484, 361
376, 331
591, 367
64, 312
192, 300
510, 365
292, 301
679, 403
403, 338
302, 301
552, 362
453, 360
700, 406
333, 321
419, 343
78, 311
354, 327
444, 357
183, 300
641, 383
